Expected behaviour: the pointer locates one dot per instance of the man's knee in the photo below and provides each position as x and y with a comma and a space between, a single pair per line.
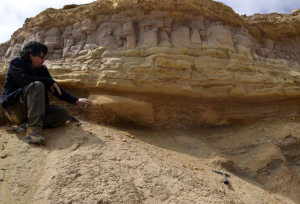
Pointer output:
35, 88
37, 85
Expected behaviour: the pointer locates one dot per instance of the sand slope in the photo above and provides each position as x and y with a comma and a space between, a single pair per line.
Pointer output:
103, 164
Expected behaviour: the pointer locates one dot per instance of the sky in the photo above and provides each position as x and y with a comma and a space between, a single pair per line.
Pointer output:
14, 12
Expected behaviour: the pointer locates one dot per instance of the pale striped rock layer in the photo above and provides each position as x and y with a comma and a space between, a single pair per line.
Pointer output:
195, 49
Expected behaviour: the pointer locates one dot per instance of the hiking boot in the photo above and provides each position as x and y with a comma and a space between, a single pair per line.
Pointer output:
35, 138
21, 129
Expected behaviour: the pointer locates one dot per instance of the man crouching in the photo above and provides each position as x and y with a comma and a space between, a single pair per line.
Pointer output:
25, 98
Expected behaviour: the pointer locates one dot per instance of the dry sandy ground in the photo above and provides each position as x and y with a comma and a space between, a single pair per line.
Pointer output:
102, 164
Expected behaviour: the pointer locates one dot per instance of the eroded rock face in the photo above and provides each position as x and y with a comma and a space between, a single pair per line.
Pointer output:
139, 112
188, 49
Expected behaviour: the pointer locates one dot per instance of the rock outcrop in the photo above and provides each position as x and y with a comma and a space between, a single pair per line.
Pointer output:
170, 63
200, 50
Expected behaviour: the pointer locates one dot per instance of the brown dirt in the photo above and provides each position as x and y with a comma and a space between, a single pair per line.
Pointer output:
101, 164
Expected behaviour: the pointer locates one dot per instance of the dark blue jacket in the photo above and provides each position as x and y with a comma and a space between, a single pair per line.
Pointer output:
20, 74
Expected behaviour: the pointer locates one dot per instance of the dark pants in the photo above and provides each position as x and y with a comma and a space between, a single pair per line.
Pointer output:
31, 107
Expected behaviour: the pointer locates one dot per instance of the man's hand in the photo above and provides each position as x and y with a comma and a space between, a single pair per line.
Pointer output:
55, 86
83, 102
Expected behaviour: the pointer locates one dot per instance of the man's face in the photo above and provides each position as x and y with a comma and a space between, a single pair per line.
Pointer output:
37, 61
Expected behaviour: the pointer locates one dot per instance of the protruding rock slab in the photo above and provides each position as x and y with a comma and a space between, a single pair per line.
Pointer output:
139, 112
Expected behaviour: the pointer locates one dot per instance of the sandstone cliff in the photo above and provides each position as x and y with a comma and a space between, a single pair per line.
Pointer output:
167, 64
200, 50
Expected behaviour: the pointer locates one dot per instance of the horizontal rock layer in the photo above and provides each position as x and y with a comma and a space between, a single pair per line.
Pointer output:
187, 49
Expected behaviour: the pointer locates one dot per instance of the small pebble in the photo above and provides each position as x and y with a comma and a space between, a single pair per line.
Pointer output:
129, 135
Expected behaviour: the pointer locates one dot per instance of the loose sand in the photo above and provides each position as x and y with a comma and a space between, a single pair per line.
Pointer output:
103, 164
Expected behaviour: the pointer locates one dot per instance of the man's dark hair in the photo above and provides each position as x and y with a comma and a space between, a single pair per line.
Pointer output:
34, 48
